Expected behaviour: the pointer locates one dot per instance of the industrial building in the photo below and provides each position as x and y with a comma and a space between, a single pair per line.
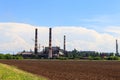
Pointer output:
54, 51
47, 52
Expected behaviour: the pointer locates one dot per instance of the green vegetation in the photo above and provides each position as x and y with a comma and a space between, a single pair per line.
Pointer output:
113, 58
95, 58
91, 55
74, 54
9, 56
105, 58
11, 73
62, 58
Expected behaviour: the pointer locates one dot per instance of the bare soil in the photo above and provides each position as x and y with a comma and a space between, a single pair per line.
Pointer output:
70, 70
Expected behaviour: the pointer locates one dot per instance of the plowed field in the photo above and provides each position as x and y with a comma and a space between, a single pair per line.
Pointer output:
70, 70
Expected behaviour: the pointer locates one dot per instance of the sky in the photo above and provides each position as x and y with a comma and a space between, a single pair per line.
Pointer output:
88, 24
61, 12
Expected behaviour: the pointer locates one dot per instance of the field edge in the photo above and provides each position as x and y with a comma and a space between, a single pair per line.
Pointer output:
12, 73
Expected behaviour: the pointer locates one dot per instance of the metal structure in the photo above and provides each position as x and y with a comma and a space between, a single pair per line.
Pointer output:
50, 43
36, 44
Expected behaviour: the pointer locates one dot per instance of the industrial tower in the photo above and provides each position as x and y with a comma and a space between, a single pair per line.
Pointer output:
50, 43
36, 45
64, 45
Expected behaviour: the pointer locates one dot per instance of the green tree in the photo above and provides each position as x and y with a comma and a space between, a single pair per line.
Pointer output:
19, 57
8, 56
2, 56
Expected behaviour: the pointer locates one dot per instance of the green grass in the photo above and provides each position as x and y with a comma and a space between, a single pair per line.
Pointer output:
12, 73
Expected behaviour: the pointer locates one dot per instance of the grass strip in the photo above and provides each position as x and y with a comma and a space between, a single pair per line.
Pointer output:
11, 73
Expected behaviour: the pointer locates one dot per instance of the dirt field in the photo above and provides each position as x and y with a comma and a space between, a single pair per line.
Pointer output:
70, 70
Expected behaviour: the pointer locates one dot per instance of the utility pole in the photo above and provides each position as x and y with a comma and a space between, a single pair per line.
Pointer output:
117, 48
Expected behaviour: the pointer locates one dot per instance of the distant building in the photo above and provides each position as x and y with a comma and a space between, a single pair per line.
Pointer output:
56, 51
25, 53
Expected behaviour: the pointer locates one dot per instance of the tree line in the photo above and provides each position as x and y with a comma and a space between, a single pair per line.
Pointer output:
10, 56
90, 55
74, 54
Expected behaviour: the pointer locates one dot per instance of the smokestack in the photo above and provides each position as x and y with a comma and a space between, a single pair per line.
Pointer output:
116, 47
50, 43
64, 44
36, 45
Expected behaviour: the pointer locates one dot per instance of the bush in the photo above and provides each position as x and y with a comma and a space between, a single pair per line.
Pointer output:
90, 58
94, 58
70, 58
116, 58
62, 58
2, 56
18, 57
113, 58
8, 56
97, 58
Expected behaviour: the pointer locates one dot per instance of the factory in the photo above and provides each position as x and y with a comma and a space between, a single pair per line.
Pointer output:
48, 51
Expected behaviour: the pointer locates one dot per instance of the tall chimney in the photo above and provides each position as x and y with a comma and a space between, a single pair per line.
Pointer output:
36, 45
116, 47
64, 46
50, 43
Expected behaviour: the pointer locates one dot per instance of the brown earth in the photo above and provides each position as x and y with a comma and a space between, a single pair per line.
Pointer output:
70, 70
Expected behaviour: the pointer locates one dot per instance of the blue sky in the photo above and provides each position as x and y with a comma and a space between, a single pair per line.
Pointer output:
87, 13
88, 24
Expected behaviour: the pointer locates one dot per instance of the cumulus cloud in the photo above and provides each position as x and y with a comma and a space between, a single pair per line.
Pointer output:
113, 29
87, 39
18, 36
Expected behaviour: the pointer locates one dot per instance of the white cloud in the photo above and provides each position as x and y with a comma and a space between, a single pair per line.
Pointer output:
18, 36
113, 29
